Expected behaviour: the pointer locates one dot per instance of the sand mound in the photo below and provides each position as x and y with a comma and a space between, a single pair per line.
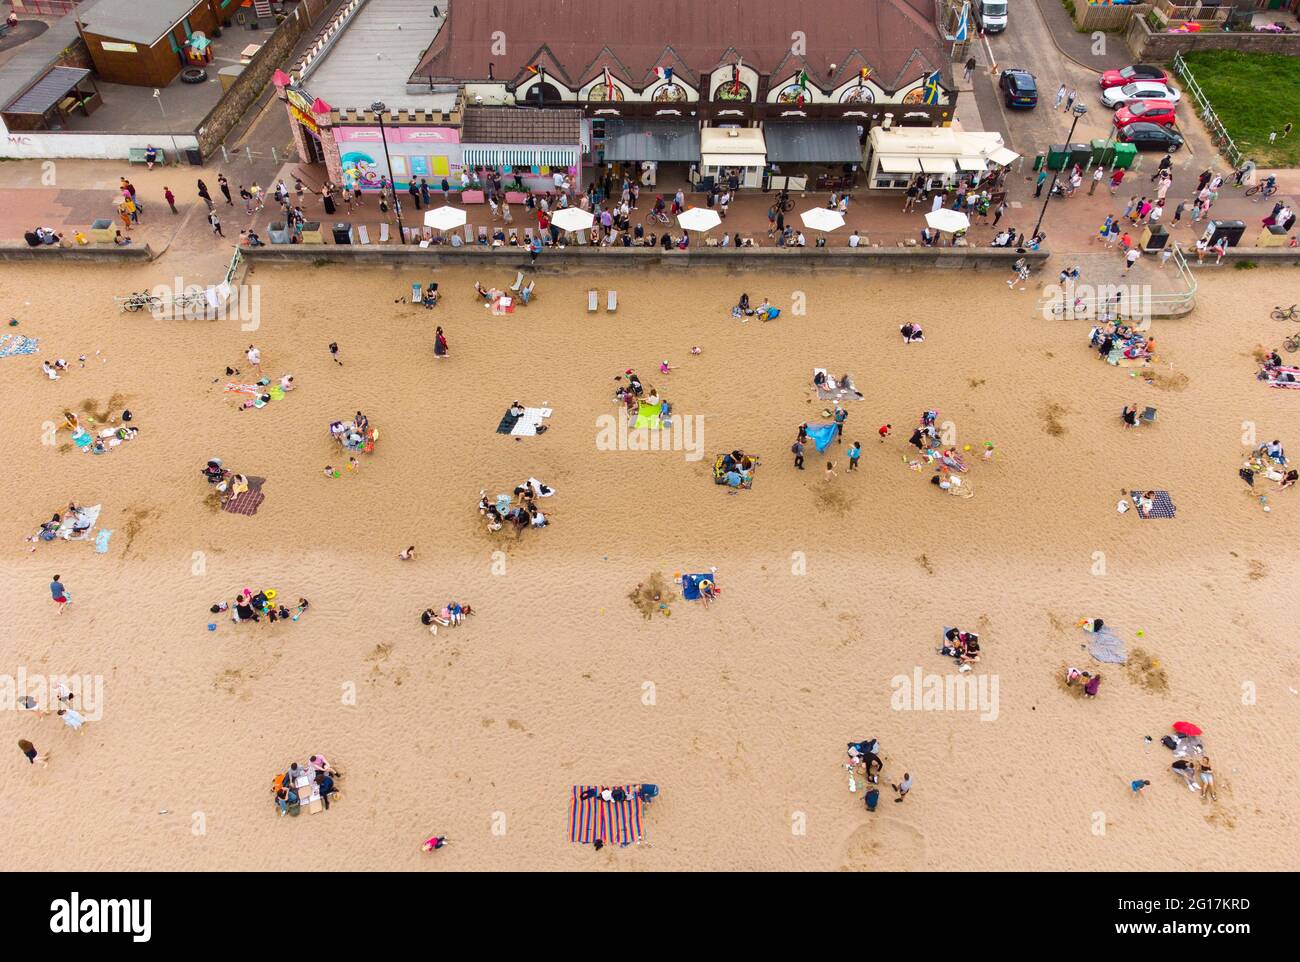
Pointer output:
1144, 670
651, 593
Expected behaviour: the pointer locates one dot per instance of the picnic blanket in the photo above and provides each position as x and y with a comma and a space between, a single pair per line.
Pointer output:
691, 585
1162, 506
88, 514
15, 345
248, 502
1107, 646
833, 390
526, 424
821, 435
1283, 377
648, 416
611, 822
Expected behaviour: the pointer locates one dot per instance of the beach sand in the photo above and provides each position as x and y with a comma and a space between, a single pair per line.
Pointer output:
741, 711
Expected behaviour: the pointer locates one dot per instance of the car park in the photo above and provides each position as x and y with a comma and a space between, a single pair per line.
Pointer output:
1147, 136
1139, 90
1019, 89
1133, 73
1148, 111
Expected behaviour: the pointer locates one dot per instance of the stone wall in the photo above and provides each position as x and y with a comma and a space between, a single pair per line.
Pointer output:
1149, 47
22, 252
248, 87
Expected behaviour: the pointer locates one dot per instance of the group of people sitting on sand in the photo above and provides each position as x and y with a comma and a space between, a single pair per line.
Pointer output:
1114, 340
518, 509
298, 785
1090, 682
925, 438
764, 312
105, 440
251, 605
735, 470
452, 614
1278, 374
82, 522
1191, 764
1271, 461
865, 763
633, 394
962, 646
231, 484
355, 435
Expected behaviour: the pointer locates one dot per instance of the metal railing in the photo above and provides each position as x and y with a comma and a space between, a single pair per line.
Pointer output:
44, 8
1218, 132
1119, 302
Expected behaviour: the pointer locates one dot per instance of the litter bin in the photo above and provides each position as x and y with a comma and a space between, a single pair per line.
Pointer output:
1231, 229
1080, 154
102, 232
342, 234
1125, 156
194, 156
327, 201
1154, 239
1058, 156
311, 232
279, 233
1274, 235
1103, 153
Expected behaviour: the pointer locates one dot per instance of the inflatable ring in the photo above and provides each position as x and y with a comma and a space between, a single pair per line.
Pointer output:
270, 594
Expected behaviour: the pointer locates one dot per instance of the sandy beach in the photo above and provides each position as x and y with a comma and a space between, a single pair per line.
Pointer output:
739, 711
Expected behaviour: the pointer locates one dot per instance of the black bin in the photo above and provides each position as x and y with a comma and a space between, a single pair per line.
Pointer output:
328, 203
1080, 154
1231, 229
1155, 238
194, 156
342, 234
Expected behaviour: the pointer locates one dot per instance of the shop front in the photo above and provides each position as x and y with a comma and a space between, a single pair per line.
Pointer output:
431, 154
732, 157
648, 149
530, 168
937, 156
823, 155
300, 113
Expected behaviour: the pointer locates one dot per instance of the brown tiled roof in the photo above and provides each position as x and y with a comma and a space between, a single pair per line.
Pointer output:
575, 39
515, 125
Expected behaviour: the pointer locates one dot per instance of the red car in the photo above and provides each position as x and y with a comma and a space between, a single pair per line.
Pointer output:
1147, 111
1128, 75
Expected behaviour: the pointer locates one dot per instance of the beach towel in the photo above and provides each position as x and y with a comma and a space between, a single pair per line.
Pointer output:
832, 390
821, 435
88, 514
507, 424
248, 502
1162, 506
691, 585
611, 822
101, 541
15, 345
648, 416
529, 422
1106, 646
235, 387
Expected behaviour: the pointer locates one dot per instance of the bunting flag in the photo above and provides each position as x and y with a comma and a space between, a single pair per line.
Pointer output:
532, 68
609, 86
803, 79
863, 74
932, 90
735, 76
664, 73
963, 24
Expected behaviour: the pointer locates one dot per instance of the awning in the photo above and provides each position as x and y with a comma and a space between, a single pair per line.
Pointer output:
1002, 156
899, 165
41, 97
660, 140
732, 160
971, 163
512, 155
938, 165
813, 141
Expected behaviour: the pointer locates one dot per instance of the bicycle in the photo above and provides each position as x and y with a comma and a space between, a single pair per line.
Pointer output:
1268, 190
1285, 313
140, 300
1292, 343
657, 217
783, 205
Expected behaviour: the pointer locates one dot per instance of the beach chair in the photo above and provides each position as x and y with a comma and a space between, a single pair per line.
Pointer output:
593, 302
469, 234
526, 294
513, 237
362, 234
581, 237
383, 233
519, 282
1149, 416
528, 236
482, 236
415, 293
611, 302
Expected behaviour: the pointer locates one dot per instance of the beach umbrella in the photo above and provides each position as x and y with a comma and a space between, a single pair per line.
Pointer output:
823, 219
948, 221
573, 219
698, 219
444, 218
1186, 728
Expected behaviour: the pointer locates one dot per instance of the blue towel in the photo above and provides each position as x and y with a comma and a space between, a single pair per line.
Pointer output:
691, 585
13, 345
101, 541
822, 435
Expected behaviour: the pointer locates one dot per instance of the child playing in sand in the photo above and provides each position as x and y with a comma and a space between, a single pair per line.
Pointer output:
408, 554
435, 843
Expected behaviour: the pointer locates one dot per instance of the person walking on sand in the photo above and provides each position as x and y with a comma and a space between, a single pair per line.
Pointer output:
254, 356
884, 431
33, 756
855, 453
334, 353
435, 843
797, 450
905, 785
59, 594
841, 416
225, 189
171, 199
1207, 780
439, 343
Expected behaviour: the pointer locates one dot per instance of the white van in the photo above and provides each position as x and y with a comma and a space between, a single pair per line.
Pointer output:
992, 14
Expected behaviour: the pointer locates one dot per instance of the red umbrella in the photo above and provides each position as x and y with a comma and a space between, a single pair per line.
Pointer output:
1186, 728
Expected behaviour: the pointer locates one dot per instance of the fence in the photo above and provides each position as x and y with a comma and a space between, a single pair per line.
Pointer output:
1218, 132
1094, 16
43, 8
1125, 305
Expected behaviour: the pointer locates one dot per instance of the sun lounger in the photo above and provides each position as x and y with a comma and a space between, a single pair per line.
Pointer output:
383, 233
469, 234
593, 302
363, 235
526, 294
611, 302
513, 237
415, 293
528, 235
519, 282
1149, 415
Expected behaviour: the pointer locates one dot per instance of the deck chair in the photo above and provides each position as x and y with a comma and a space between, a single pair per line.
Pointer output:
1149, 416
383, 233
581, 236
469, 234
512, 237
415, 293
611, 302
593, 302
362, 234
528, 235
519, 282
526, 294
482, 236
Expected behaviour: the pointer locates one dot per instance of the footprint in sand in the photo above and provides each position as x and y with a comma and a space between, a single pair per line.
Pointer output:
883, 839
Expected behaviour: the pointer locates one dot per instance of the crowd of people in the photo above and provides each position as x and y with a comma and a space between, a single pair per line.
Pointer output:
518, 509
452, 614
251, 605
298, 785
1114, 340
864, 762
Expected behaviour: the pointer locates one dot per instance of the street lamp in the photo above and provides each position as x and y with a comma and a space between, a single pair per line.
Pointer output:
378, 108
1079, 111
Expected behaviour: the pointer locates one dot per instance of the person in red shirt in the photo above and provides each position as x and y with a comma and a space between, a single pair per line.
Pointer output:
884, 431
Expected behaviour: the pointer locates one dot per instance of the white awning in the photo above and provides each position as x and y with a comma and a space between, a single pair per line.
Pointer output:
899, 165
1002, 156
938, 165
733, 160
507, 155
970, 163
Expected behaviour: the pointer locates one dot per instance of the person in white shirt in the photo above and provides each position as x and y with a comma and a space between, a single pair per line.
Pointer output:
802, 241
254, 357
855, 240
844, 204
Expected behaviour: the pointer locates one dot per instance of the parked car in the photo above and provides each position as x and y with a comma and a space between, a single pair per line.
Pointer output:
1139, 90
1149, 111
1019, 88
1135, 72
1148, 136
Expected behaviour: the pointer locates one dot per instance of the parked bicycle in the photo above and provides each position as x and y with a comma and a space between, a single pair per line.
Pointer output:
141, 300
1286, 313
1292, 343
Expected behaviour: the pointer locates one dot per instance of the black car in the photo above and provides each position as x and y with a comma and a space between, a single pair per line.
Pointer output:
1019, 88
1146, 136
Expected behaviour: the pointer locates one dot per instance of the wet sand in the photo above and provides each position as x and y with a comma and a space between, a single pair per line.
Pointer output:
479, 732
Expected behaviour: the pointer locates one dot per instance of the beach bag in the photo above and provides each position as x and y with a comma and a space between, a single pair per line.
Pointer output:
1169, 742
